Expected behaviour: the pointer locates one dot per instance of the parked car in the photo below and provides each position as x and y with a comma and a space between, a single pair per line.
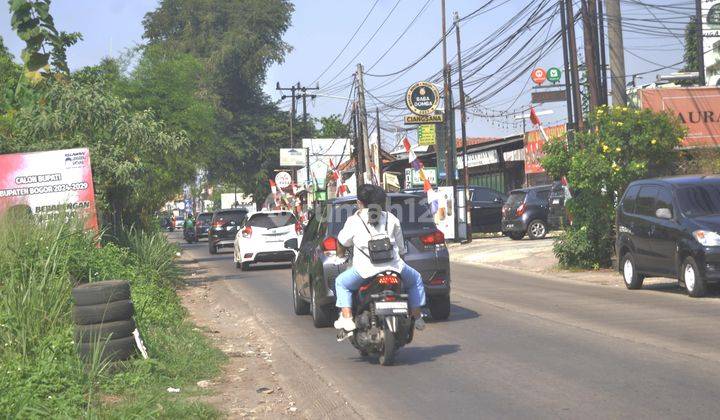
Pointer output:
485, 207
557, 213
526, 212
316, 266
179, 222
202, 225
262, 238
670, 227
223, 228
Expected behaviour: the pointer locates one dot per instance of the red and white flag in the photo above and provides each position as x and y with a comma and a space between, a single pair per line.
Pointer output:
416, 164
536, 121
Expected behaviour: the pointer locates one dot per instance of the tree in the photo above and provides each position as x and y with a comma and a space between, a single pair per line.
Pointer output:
691, 46
332, 127
623, 145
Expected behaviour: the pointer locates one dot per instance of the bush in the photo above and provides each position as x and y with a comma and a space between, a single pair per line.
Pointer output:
40, 372
623, 145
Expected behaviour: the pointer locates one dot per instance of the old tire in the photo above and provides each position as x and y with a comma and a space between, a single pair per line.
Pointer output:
109, 330
439, 307
632, 279
322, 316
300, 307
98, 314
118, 349
387, 355
692, 278
537, 229
516, 236
101, 292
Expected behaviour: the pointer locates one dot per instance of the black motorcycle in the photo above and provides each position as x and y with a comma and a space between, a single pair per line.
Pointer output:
382, 319
190, 235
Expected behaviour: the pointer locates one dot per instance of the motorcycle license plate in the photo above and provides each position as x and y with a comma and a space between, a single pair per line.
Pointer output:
391, 308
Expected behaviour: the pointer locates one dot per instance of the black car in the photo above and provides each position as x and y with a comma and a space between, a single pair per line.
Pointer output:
202, 225
316, 266
526, 212
485, 208
670, 227
223, 228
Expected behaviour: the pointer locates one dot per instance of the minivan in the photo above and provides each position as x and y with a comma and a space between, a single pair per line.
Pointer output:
669, 227
526, 212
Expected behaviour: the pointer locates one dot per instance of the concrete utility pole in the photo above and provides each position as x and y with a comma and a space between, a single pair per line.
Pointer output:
379, 145
617, 52
572, 45
602, 56
567, 70
463, 131
357, 143
292, 95
304, 95
590, 41
363, 122
446, 100
700, 39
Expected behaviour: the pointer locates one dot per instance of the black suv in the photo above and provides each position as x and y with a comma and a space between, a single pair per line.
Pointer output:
526, 211
224, 227
202, 225
669, 227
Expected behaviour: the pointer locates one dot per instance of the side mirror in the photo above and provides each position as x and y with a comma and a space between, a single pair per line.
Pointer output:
663, 213
291, 244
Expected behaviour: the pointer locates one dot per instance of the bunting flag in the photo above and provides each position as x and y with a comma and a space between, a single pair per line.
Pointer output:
536, 121
416, 164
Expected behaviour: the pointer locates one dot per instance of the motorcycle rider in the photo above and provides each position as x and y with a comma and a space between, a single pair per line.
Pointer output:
189, 224
356, 233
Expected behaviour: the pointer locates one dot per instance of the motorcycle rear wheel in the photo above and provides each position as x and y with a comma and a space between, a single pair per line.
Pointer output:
387, 355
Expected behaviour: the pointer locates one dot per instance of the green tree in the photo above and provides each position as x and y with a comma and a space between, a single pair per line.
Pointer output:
625, 144
332, 127
690, 55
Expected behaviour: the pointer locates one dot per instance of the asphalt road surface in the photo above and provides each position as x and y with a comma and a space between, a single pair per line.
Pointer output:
514, 347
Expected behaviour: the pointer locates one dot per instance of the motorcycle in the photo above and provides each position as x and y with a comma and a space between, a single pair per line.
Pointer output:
190, 235
382, 319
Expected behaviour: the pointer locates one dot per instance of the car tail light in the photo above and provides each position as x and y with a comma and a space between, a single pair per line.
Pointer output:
329, 244
388, 280
247, 232
520, 210
435, 238
437, 281
217, 225
298, 228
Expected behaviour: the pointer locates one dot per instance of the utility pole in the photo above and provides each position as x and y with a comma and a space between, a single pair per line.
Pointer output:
566, 70
446, 98
590, 41
700, 39
379, 145
617, 53
363, 122
577, 105
602, 59
463, 131
292, 95
359, 152
304, 95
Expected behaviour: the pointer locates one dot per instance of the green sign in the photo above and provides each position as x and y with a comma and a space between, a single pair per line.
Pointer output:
426, 134
553, 75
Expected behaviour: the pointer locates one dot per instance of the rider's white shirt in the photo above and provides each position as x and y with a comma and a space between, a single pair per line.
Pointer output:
355, 234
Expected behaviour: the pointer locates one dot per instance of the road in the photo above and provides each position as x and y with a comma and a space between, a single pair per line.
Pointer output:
515, 347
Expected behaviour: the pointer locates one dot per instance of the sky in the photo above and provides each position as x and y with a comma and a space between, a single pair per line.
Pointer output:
322, 28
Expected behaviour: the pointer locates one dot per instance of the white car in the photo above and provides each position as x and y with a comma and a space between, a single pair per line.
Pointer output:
262, 236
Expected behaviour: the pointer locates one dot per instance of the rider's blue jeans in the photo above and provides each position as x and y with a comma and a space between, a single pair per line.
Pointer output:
349, 280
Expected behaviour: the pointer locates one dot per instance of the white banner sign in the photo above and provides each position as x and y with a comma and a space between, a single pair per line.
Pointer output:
283, 179
486, 157
293, 157
711, 34
517, 155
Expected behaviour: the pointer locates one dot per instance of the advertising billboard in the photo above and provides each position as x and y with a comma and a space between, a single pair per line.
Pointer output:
698, 108
534, 147
51, 183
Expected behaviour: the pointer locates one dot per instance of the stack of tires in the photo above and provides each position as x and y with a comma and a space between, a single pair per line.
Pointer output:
103, 315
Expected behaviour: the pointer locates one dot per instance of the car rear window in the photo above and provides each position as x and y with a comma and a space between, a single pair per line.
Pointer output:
516, 198
206, 217
413, 212
271, 220
700, 200
230, 216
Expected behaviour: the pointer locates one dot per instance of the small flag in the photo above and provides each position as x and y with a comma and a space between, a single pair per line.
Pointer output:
533, 117
273, 187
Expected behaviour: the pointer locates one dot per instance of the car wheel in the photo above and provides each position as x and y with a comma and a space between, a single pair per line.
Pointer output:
322, 316
633, 280
690, 275
299, 306
516, 236
439, 307
537, 229
212, 248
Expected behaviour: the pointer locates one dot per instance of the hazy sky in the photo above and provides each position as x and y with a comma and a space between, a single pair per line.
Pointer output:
321, 28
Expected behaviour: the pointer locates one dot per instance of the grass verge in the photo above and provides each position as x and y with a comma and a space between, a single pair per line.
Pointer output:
40, 372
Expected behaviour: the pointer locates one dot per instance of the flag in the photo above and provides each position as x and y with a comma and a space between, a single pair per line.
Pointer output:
416, 164
533, 117
273, 187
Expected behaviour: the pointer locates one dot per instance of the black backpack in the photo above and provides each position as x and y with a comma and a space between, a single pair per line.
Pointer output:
379, 250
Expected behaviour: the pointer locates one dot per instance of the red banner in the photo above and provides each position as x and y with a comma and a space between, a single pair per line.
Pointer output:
697, 107
49, 183
534, 147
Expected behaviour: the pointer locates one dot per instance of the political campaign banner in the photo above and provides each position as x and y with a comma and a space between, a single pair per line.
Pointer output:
49, 184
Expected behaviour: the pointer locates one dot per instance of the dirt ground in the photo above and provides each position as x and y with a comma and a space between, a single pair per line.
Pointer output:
260, 381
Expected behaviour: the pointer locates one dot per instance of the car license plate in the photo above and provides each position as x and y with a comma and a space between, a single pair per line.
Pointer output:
556, 201
391, 308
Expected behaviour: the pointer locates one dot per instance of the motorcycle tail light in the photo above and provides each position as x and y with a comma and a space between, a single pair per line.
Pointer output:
390, 299
388, 280
298, 228
520, 210
247, 232
329, 244
435, 238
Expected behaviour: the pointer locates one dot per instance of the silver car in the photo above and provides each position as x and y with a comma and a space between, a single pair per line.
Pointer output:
316, 266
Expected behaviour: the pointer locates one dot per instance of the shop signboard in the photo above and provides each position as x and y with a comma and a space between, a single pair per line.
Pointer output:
422, 98
427, 134
293, 157
485, 157
412, 177
49, 184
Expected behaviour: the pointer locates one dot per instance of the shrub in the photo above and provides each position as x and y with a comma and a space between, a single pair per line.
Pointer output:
623, 145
